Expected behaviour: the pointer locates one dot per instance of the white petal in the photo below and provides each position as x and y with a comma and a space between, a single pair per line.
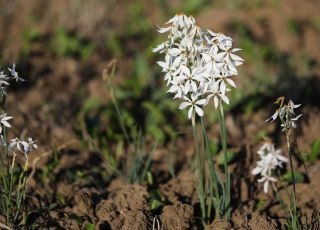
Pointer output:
187, 87
194, 86
184, 105
190, 112
5, 123
282, 158
6, 118
223, 87
224, 98
201, 102
164, 30
174, 51
199, 111
162, 64
273, 117
231, 82
185, 70
221, 56
256, 171
296, 118
236, 58
159, 48
266, 186
216, 101
235, 50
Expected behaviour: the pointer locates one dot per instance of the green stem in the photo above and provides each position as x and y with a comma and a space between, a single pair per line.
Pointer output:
294, 199
120, 119
213, 178
21, 192
11, 180
200, 171
227, 198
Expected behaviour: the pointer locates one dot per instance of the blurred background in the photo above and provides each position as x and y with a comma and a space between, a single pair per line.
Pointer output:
62, 47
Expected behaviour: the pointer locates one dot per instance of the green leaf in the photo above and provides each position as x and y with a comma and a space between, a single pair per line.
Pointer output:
52, 206
315, 150
156, 199
156, 204
90, 104
231, 156
156, 113
149, 178
156, 132
262, 204
298, 177
89, 227
213, 147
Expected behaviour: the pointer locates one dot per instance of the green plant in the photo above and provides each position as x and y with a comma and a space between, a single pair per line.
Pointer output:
13, 174
315, 150
66, 44
199, 67
135, 165
288, 120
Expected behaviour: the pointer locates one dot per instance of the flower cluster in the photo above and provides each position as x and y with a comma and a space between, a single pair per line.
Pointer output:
270, 159
4, 79
23, 146
286, 114
199, 65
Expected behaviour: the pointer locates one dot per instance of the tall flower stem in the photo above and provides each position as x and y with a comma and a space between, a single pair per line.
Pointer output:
227, 196
294, 196
200, 171
213, 177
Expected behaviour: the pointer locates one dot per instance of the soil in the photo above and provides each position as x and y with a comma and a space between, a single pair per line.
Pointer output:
74, 192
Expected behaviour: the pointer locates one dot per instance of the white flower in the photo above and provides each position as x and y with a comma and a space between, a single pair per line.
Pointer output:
23, 146
3, 79
177, 87
223, 79
270, 159
194, 104
268, 149
216, 93
286, 114
29, 145
4, 121
197, 63
16, 143
266, 179
182, 21
228, 55
160, 48
15, 74
3, 83
191, 78
171, 67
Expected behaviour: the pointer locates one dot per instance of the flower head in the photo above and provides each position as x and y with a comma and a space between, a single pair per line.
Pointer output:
286, 114
194, 105
270, 159
23, 146
14, 73
4, 121
198, 63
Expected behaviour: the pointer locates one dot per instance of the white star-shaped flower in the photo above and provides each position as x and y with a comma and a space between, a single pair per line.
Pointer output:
194, 104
